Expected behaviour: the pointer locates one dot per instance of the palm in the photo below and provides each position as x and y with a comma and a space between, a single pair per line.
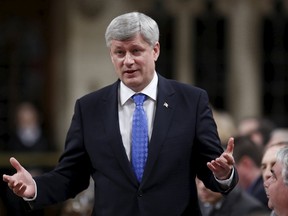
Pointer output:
21, 182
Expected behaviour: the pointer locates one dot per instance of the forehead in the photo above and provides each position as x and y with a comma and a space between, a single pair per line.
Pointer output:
134, 41
270, 154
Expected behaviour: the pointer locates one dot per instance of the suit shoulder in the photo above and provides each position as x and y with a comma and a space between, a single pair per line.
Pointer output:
103, 92
179, 86
247, 201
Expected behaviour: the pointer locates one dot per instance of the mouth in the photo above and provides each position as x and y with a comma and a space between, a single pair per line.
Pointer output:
130, 71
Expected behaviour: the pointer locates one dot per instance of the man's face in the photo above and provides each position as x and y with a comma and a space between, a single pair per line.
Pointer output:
134, 61
268, 160
277, 191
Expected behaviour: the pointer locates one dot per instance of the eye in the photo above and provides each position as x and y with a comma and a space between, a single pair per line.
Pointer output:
263, 167
135, 51
119, 53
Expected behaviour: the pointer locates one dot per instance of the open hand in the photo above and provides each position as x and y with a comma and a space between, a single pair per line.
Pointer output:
21, 183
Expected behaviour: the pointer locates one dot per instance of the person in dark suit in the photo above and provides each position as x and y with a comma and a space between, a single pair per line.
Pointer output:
236, 203
28, 134
248, 156
182, 135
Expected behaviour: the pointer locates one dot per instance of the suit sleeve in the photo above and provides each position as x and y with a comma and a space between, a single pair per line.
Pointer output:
72, 174
207, 145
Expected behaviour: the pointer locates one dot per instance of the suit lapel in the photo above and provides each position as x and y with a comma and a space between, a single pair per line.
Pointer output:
164, 111
111, 124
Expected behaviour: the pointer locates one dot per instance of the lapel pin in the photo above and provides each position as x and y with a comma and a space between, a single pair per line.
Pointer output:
166, 104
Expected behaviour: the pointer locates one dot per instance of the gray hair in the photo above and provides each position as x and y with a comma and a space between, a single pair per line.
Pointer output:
282, 157
128, 25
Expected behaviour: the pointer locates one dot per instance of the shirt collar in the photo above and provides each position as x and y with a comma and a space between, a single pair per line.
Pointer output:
150, 90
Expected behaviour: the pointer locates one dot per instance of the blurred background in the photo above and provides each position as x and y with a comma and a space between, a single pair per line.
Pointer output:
53, 52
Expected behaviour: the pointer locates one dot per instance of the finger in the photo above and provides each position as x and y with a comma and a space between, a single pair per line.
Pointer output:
18, 187
15, 164
230, 146
21, 190
214, 166
6, 178
225, 166
229, 159
12, 184
211, 166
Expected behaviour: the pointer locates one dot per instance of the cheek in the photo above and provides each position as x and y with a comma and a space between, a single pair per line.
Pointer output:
283, 193
276, 200
276, 193
116, 63
117, 68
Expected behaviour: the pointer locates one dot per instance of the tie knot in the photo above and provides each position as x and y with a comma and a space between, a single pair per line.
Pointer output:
139, 99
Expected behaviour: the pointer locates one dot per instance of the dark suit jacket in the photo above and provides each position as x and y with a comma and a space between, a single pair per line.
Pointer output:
238, 203
184, 139
257, 190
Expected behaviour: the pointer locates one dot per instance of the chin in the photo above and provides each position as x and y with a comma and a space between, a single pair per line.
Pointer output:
135, 86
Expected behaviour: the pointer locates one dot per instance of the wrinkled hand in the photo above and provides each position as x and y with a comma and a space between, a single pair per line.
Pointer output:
21, 183
223, 165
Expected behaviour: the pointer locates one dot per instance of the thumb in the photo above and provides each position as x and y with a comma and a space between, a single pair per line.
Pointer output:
15, 164
230, 146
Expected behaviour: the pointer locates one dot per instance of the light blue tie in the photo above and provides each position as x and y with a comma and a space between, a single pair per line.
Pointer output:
139, 136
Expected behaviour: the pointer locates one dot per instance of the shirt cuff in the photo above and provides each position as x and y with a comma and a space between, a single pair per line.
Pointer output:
226, 182
33, 198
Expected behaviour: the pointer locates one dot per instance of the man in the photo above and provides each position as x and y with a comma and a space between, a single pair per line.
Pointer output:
236, 203
257, 128
248, 157
182, 135
277, 184
269, 158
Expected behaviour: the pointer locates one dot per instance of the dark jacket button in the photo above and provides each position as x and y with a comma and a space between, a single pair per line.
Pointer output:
140, 193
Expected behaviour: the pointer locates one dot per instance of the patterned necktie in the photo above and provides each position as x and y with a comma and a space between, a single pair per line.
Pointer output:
139, 136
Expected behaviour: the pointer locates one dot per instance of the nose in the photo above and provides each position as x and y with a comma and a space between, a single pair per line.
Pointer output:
128, 59
267, 182
265, 174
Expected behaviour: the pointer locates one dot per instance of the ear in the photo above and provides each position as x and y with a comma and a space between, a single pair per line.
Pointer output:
156, 50
110, 53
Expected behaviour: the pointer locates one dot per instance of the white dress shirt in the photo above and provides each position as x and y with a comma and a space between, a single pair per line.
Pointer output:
126, 108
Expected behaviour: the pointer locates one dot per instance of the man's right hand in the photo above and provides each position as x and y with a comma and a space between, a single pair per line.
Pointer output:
21, 183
